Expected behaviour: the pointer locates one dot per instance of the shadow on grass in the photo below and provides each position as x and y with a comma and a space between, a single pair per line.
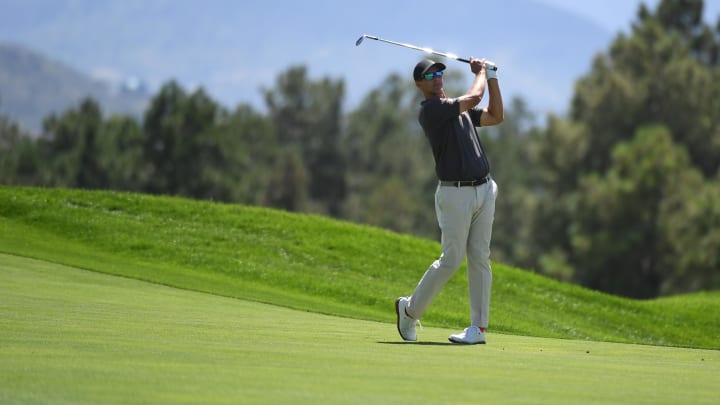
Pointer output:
421, 343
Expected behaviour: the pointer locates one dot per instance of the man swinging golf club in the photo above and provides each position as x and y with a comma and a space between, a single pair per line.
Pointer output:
465, 196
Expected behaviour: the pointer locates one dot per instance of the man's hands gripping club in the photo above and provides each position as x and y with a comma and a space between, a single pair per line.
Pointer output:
477, 65
483, 70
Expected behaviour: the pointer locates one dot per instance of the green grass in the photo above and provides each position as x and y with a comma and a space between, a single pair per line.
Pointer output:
71, 336
230, 304
317, 264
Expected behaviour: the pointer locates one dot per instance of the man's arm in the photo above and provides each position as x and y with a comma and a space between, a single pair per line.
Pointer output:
477, 90
493, 114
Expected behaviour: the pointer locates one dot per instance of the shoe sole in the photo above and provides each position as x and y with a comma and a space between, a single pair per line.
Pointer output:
397, 312
465, 343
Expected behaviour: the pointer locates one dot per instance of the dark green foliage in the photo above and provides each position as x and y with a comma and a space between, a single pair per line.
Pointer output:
177, 145
308, 119
624, 181
19, 158
70, 150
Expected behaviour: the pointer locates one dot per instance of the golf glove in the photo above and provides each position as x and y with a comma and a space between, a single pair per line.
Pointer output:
490, 70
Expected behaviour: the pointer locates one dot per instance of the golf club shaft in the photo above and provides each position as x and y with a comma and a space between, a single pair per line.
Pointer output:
417, 48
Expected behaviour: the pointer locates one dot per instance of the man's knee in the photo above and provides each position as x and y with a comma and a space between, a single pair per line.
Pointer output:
479, 253
448, 262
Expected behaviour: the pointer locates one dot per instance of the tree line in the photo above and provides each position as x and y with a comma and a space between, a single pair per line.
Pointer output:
622, 195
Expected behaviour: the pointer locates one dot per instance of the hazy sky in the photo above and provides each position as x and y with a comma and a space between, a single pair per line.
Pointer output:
614, 15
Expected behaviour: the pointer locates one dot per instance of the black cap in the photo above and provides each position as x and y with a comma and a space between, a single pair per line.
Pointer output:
423, 66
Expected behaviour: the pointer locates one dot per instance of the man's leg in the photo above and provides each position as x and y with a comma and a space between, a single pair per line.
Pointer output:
478, 256
453, 206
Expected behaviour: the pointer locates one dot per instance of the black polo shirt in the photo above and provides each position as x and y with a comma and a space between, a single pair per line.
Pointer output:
459, 155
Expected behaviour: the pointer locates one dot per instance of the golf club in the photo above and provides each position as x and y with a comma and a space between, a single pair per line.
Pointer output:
417, 48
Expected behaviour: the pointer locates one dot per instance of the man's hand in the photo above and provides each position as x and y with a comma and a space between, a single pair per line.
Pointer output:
477, 65
490, 69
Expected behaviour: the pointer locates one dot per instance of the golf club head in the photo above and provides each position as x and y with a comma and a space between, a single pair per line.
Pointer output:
359, 41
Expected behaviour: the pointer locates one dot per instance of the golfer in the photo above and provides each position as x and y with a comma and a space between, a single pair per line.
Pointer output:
465, 195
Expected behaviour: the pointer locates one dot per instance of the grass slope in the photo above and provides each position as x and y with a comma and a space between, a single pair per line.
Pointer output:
318, 264
74, 336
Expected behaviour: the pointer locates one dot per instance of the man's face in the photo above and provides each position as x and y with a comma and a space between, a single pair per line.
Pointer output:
431, 84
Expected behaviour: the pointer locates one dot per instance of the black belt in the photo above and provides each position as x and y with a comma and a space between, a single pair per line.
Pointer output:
465, 183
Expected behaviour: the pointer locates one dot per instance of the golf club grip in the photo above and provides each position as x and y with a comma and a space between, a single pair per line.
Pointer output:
467, 61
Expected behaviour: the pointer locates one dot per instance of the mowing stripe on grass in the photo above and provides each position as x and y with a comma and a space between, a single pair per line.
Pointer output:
73, 336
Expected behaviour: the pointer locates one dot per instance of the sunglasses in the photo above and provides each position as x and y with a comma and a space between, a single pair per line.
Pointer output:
430, 76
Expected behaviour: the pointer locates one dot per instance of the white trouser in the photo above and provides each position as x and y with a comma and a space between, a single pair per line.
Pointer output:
465, 216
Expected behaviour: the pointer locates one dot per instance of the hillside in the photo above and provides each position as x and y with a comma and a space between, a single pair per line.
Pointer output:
319, 265
33, 86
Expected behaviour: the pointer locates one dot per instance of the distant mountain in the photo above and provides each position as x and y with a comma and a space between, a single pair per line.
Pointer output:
33, 86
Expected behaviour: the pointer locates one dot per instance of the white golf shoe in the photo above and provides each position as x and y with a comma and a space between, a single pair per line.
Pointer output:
470, 336
405, 324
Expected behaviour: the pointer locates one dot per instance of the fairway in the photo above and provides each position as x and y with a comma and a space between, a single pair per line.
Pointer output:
74, 336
